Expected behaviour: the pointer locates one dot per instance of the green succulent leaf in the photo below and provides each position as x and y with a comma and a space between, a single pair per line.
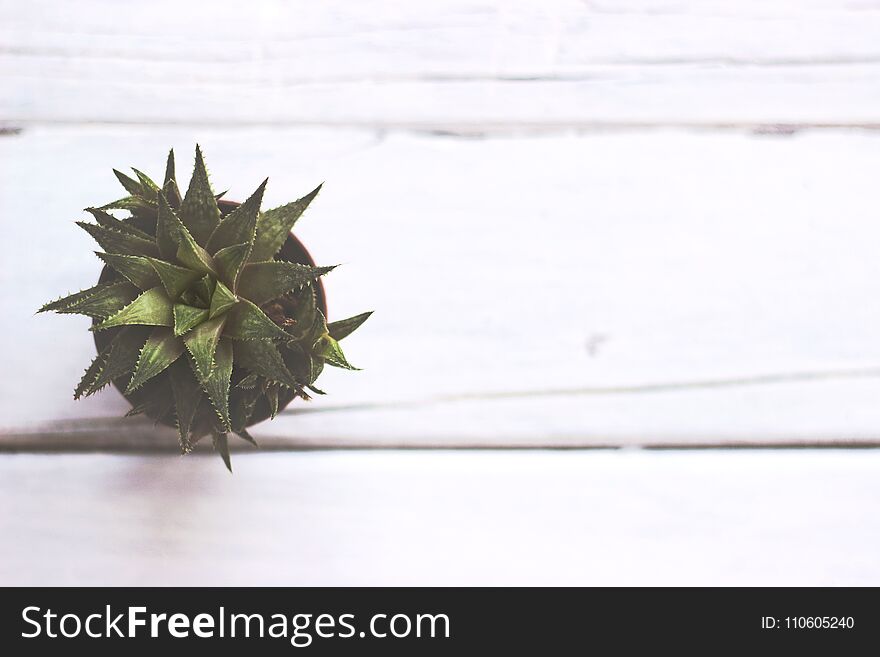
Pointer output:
107, 220
262, 357
159, 353
306, 367
202, 344
152, 308
136, 269
204, 289
86, 383
244, 435
193, 256
107, 300
305, 315
222, 300
169, 185
241, 407
329, 349
174, 279
187, 317
150, 189
187, 396
133, 204
199, 211
216, 384
117, 240
272, 397
124, 351
158, 404
247, 322
274, 225
167, 237
221, 444
230, 261
263, 281
345, 327
132, 186
64, 304
240, 225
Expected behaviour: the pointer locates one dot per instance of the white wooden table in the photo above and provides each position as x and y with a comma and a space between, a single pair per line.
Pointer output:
581, 224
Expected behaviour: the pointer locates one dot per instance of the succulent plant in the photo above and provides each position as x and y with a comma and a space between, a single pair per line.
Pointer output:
198, 317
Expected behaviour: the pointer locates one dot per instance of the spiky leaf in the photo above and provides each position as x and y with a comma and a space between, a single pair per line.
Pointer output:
132, 186
111, 298
329, 349
262, 357
133, 204
272, 397
307, 317
150, 189
125, 349
221, 444
216, 385
137, 269
115, 240
240, 225
174, 279
167, 237
202, 344
187, 317
345, 327
99, 301
306, 367
204, 289
263, 281
247, 322
222, 300
230, 262
160, 351
107, 220
193, 256
152, 308
86, 383
274, 225
187, 395
169, 184
244, 435
199, 211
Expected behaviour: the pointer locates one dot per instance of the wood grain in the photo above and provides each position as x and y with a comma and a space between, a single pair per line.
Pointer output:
466, 66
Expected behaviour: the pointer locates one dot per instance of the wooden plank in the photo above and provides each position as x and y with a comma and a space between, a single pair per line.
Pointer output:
452, 66
424, 518
648, 288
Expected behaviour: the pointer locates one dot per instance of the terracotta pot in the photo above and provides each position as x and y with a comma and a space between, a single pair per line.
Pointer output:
292, 251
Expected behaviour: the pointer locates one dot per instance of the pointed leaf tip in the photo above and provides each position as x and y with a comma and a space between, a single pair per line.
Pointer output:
152, 308
221, 444
263, 281
345, 327
274, 225
199, 211
202, 344
240, 225
160, 351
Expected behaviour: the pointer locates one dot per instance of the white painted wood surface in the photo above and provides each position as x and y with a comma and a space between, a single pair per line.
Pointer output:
529, 290
553, 282
454, 518
466, 65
